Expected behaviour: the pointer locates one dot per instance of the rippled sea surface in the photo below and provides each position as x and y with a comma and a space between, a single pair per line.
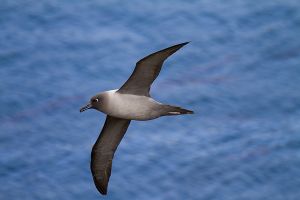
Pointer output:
240, 74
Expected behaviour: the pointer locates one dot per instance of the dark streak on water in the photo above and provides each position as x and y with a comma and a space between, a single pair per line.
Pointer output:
240, 74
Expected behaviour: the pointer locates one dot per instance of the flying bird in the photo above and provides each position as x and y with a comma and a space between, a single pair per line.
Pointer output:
131, 102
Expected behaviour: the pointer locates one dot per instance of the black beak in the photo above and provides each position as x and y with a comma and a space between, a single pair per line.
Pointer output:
84, 108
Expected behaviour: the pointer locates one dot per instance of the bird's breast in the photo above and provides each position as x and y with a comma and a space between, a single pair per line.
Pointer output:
129, 106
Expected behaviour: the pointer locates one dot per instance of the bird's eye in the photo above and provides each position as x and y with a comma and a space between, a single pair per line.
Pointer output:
95, 100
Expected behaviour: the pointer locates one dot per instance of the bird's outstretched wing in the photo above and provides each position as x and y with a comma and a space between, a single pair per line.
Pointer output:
103, 150
146, 71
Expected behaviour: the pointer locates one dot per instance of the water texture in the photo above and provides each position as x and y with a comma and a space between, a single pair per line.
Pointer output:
240, 74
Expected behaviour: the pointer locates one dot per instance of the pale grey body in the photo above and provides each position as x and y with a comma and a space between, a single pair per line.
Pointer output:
132, 107
131, 102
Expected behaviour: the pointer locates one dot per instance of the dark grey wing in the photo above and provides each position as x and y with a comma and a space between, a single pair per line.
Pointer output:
146, 71
103, 150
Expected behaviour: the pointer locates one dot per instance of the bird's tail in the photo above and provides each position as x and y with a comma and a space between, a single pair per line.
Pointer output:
175, 110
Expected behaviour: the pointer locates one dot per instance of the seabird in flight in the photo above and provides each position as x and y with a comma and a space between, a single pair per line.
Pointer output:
131, 102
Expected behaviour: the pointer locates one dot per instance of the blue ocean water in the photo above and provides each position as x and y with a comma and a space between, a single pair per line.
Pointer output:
240, 74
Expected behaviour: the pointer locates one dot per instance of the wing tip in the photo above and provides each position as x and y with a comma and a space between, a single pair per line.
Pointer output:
184, 43
178, 46
174, 48
103, 191
101, 187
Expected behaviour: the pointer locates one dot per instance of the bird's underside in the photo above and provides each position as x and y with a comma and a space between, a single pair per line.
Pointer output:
139, 83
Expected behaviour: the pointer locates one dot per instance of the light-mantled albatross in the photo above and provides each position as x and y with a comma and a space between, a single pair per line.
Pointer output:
131, 102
